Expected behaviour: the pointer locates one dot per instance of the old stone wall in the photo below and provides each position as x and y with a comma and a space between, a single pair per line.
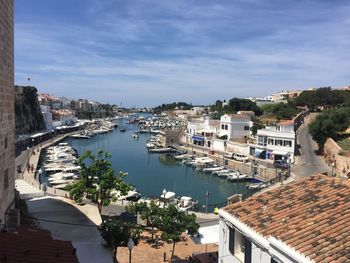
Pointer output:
332, 154
29, 118
7, 110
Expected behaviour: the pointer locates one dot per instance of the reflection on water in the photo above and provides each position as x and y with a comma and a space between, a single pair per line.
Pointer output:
151, 173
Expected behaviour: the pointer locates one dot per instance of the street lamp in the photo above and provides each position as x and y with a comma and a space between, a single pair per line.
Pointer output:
130, 247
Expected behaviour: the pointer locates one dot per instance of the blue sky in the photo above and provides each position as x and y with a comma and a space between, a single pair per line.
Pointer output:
148, 52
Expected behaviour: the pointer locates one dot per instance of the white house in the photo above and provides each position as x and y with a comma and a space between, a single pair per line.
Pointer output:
275, 142
235, 126
47, 116
302, 222
201, 131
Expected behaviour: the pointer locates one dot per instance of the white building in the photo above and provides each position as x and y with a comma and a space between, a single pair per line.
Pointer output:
307, 222
47, 116
201, 131
275, 142
235, 126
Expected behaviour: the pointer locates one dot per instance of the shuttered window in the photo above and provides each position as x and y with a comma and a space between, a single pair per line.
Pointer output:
232, 240
247, 250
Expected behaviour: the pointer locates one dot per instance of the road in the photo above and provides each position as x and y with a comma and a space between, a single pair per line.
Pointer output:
309, 162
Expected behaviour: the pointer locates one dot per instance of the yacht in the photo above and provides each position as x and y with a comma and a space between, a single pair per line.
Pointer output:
187, 203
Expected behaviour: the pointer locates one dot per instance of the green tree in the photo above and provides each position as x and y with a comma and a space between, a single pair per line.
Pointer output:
149, 212
116, 234
98, 182
329, 124
173, 222
237, 104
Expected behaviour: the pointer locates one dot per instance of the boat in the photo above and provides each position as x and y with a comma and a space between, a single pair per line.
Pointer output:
220, 171
143, 131
213, 168
130, 196
135, 135
167, 198
187, 203
162, 150
79, 136
255, 186
122, 130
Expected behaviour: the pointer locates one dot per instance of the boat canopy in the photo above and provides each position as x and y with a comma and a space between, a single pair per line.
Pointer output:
168, 195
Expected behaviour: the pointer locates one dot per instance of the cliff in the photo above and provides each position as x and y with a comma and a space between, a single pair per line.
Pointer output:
28, 113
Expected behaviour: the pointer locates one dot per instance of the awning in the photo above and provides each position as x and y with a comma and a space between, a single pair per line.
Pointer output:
197, 138
207, 235
280, 153
221, 134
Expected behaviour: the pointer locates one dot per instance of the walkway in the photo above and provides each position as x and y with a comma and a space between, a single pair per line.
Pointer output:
68, 221
309, 162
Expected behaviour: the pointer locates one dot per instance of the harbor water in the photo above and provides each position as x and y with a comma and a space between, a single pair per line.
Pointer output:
151, 173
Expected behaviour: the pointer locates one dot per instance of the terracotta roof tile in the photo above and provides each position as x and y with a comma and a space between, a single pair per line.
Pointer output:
311, 215
34, 246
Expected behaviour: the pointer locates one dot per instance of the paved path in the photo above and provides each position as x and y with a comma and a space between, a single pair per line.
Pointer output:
74, 223
309, 163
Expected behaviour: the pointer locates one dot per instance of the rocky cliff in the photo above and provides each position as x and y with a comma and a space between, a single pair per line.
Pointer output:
28, 114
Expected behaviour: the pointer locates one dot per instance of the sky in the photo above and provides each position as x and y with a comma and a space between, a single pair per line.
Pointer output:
148, 52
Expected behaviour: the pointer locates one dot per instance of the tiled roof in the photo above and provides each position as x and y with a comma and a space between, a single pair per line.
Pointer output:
239, 116
311, 215
34, 246
286, 123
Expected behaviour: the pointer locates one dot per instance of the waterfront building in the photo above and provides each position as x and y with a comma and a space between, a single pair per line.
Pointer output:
63, 117
275, 142
303, 221
235, 126
202, 131
47, 116
7, 110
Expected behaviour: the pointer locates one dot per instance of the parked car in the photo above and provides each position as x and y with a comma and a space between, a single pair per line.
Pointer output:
229, 155
281, 164
240, 157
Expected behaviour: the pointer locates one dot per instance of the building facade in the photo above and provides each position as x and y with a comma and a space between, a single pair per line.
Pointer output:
7, 111
235, 126
275, 142
308, 222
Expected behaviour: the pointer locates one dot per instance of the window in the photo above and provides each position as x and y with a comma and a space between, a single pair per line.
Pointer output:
287, 143
278, 142
226, 127
5, 142
273, 260
6, 178
262, 140
231, 241
242, 248
270, 141
246, 128
222, 127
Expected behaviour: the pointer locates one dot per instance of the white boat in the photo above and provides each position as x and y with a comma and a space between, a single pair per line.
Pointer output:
167, 198
187, 203
214, 168
257, 186
61, 181
130, 196
183, 156
135, 135
80, 136
215, 172
162, 150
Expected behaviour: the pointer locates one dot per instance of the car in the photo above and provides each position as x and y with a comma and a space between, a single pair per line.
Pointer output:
229, 155
240, 157
281, 164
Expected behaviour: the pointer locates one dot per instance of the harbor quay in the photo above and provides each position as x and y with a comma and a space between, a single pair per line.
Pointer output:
260, 171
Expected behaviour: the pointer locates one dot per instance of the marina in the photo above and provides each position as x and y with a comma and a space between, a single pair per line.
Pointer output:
152, 173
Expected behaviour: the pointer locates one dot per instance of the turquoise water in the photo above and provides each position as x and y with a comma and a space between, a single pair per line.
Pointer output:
151, 173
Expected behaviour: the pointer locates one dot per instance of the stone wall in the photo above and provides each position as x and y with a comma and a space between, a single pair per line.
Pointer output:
29, 118
7, 110
332, 154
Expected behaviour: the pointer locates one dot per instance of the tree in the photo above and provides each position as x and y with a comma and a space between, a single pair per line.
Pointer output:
237, 104
116, 234
329, 124
149, 212
98, 182
173, 222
